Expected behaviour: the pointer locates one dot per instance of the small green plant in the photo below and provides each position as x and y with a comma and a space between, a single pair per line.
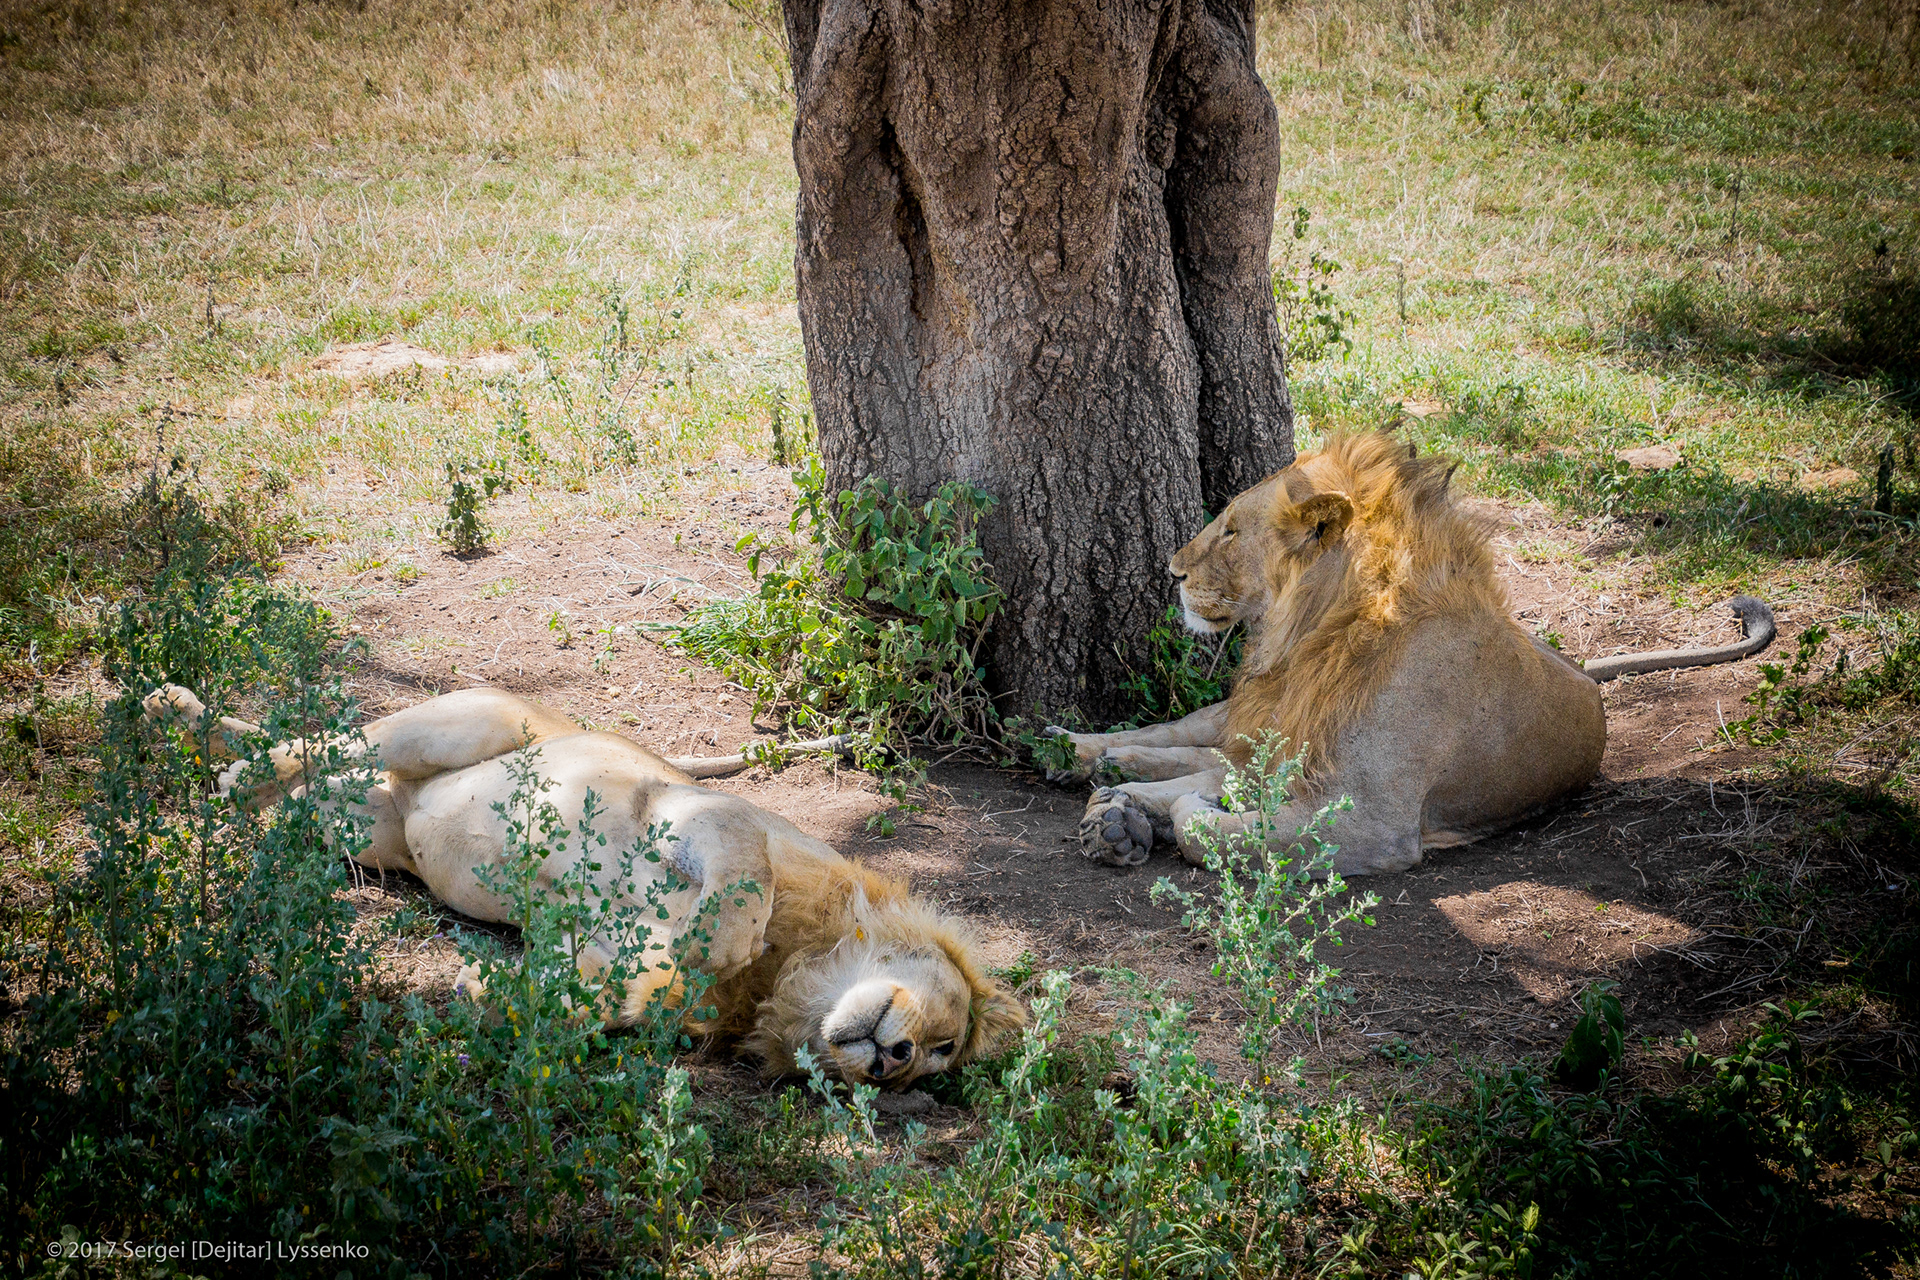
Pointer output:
1781, 698
876, 628
792, 431
1186, 671
1313, 320
515, 431
1051, 755
1277, 902
561, 628
625, 364
468, 486
603, 660
1598, 1038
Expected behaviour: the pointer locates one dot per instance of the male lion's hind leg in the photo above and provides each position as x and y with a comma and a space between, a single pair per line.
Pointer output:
174, 705
1369, 841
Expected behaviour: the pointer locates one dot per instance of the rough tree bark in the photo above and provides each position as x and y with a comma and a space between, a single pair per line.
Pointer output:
1032, 255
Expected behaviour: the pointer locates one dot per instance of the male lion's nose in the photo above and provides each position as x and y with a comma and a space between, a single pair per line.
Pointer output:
1177, 575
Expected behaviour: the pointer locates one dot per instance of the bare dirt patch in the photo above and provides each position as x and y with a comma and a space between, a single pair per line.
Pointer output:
390, 356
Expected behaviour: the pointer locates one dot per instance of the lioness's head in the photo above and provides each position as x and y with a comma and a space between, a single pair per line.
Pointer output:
900, 998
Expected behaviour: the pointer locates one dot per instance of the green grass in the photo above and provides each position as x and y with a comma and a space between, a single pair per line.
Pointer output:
200, 200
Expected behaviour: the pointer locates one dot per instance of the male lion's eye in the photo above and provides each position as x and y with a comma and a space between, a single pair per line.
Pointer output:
943, 1049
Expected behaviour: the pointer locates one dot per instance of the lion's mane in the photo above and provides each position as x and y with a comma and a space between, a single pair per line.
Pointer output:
1337, 626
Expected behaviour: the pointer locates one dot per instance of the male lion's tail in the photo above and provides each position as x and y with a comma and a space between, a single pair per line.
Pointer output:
1756, 625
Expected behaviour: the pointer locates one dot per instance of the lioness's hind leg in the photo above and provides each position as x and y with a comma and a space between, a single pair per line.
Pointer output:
460, 729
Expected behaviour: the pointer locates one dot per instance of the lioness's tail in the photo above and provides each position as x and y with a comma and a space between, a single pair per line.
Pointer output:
1756, 625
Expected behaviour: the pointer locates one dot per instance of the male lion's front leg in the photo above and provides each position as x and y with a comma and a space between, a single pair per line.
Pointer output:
1121, 823
1206, 727
720, 849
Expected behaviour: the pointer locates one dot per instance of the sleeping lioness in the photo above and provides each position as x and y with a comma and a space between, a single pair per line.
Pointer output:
1381, 647
879, 985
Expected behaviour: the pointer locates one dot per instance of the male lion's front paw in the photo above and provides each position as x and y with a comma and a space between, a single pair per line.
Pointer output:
1116, 830
735, 943
1085, 752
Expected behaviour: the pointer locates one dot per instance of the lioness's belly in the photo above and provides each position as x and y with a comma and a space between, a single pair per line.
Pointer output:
457, 824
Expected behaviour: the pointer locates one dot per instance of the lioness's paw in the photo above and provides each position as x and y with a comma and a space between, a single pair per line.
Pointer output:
1115, 830
171, 701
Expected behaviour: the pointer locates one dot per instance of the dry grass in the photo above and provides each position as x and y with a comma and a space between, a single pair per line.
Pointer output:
198, 199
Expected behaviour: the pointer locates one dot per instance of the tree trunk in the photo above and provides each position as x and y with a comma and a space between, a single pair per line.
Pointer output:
1033, 255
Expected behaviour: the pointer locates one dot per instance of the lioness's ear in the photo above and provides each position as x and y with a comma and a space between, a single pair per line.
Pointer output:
1326, 516
996, 1015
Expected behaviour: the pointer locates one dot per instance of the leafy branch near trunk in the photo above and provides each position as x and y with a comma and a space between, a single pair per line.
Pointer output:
875, 628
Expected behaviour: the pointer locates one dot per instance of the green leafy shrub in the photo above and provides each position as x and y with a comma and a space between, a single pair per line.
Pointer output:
878, 628
602, 405
199, 1050
66, 535
469, 485
1271, 911
1598, 1038
1881, 314
1175, 1174
1722, 1177
1793, 698
1313, 319
1185, 671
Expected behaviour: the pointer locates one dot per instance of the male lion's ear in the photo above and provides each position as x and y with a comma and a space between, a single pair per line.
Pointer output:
996, 1015
1326, 516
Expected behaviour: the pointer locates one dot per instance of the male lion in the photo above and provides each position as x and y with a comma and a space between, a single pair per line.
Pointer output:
1383, 647
879, 985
